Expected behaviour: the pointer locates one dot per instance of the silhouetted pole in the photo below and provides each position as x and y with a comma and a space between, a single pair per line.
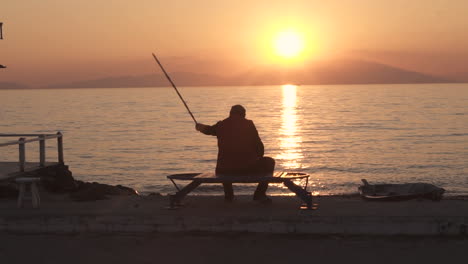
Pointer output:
1, 37
60, 147
173, 85
22, 153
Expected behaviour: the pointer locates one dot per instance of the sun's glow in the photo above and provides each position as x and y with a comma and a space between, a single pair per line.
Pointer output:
289, 44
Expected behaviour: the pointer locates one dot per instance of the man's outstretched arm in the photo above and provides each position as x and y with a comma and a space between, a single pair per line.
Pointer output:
205, 129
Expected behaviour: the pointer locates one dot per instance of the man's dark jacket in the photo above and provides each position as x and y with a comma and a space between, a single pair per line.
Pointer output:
239, 145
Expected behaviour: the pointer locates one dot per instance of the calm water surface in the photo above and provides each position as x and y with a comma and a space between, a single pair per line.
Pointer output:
338, 134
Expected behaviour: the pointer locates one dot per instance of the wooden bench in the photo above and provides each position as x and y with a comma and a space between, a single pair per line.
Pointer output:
286, 178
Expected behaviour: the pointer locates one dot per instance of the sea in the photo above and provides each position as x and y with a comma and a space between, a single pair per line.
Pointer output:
339, 134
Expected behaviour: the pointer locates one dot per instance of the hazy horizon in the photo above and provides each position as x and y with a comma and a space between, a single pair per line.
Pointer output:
52, 42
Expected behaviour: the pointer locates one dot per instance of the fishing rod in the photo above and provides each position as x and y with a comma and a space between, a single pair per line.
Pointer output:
173, 85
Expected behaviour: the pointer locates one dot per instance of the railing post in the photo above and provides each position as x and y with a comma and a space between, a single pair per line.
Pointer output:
22, 154
42, 151
60, 147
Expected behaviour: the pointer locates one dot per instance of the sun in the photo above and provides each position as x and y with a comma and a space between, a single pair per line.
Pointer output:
288, 44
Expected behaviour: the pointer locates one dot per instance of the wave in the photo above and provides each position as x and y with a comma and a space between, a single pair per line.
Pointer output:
359, 170
429, 166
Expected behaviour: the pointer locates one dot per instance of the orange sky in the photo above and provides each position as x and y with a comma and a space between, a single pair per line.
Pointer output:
52, 41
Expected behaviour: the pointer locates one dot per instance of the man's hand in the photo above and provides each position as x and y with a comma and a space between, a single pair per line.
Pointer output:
199, 127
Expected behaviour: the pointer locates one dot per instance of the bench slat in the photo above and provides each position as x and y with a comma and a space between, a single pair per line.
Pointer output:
210, 177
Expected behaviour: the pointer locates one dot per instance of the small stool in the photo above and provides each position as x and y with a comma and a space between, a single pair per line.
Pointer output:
23, 181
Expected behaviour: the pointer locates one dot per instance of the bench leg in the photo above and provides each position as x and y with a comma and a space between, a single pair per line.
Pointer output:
177, 198
301, 193
22, 190
36, 199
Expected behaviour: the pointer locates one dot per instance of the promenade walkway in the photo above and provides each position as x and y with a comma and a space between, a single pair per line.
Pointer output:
147, 214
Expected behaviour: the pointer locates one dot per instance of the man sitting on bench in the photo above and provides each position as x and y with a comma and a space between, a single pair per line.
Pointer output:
240, 151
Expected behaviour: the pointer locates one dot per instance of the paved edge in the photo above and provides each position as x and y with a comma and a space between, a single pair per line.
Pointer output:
342, 225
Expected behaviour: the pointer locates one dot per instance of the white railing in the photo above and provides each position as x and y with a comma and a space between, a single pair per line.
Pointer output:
21, 142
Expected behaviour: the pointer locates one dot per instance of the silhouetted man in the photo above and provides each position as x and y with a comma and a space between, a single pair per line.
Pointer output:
240, 150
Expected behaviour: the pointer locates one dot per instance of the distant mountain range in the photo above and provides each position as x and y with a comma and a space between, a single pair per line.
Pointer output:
12, 85
459, 76
339, 72
331, 72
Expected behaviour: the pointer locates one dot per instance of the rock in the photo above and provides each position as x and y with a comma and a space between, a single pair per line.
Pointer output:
127, 190
87, 191
58, 179
65, 179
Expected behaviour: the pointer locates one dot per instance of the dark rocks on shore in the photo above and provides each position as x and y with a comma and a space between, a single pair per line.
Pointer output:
87, 191
59, 179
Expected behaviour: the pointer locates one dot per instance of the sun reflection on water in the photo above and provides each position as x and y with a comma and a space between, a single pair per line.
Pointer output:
290, 142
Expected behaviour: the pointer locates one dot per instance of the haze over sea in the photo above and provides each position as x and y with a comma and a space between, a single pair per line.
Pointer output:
339, 134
